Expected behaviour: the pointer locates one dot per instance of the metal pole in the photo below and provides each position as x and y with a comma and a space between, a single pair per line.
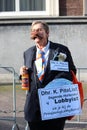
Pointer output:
14, 101
11, 70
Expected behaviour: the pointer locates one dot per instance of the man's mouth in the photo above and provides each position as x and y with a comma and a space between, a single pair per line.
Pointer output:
36, 35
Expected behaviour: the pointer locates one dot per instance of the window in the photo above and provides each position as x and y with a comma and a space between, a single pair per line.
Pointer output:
25, 5
85, 7
29, 7
32, 5
7, 5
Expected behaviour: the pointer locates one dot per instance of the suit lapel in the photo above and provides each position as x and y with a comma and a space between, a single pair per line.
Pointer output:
51, 55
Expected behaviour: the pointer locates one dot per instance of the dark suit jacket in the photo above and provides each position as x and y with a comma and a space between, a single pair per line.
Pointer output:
31, 109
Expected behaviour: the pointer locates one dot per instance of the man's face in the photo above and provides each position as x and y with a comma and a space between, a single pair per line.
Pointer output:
39, 35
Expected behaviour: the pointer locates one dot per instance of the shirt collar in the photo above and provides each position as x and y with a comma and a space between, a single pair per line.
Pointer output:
46, 48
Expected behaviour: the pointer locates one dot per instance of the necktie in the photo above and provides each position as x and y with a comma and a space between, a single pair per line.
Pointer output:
41, 73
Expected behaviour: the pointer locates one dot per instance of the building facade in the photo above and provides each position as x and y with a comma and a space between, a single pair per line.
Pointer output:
71, 7
66, 18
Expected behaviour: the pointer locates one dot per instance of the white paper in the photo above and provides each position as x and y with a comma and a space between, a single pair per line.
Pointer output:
59, 65
59, 102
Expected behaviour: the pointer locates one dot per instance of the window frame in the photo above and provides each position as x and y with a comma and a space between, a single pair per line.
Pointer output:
52, 9
84, 7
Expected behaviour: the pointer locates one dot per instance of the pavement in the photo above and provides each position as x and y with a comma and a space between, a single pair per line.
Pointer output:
21, 125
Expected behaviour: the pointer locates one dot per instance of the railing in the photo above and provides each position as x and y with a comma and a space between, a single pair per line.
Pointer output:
13, 118
82, 77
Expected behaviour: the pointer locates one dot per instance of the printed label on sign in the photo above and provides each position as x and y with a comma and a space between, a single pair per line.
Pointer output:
59, 65
59, 102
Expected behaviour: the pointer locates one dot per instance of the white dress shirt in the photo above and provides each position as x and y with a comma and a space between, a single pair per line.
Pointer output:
46, 55
45, 50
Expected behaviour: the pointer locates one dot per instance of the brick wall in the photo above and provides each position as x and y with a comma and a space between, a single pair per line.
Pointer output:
71, 7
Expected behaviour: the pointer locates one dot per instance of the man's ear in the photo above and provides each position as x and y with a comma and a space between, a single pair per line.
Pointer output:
47, 33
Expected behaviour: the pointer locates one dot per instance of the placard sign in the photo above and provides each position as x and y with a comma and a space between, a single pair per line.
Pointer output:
59, 102
59, 65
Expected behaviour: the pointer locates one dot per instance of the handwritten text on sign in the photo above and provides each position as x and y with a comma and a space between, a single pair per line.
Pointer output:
59, 102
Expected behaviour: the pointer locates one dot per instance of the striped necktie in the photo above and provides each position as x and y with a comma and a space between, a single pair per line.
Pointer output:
41, 73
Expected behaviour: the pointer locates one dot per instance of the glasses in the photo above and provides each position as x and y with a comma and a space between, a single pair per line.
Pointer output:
37, 30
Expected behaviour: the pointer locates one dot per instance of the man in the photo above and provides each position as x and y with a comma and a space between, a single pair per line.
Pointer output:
52, 51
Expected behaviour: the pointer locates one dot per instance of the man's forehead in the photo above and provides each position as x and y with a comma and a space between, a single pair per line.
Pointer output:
38, 25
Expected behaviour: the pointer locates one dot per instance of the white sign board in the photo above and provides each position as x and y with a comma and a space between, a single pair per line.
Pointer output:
59, 102
59, 65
